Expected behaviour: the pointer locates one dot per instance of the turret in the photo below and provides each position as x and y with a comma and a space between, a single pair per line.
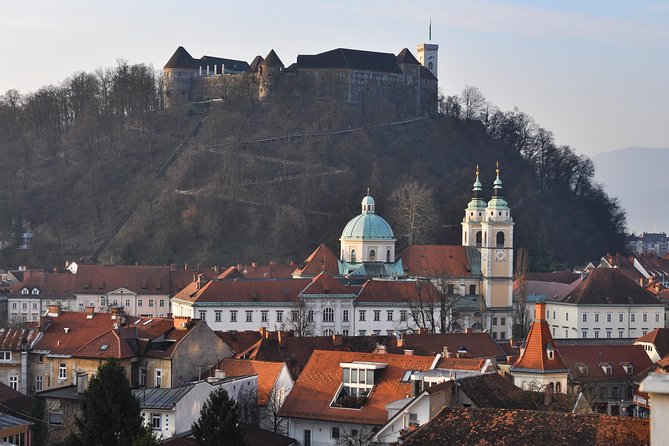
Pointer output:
474, 214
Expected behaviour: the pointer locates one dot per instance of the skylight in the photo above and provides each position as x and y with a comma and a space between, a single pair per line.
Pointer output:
104, 346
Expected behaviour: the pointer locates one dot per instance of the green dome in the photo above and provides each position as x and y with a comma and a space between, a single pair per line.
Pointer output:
368, 225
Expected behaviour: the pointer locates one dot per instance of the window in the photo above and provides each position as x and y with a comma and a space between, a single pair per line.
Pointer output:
25, 291
35, 306
494, 321
621, 333
233, 316
344, 332
310, 316
479, 237
155, 421
403, 315
249, 315
372, 255
362, 332
307, 437
585, 333
377, 315
56, 418
35, 291
389, 315
353, 256
328, 315
609, 317
344, 315
558, 387
500, 239
142, 377
161, 302
279, 315
620, 317
39, 383
127, 302
494, 335
502, 335
217, 315
150, 302
596, 334
203, 315
472, 289
334, 433
596, 317
24, 306
362, 315
62, 371
566, 316
139, 302
450, 289
608, 334
14, 307
657, 317
388, 256
5, 356
502, 321
158, 377
264, 316
585, 318
14, 382
644, 317
632, 317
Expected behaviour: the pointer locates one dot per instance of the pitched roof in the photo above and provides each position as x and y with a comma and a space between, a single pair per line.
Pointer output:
269, 271
255, 62
71, 331
594, 357
477, 345
268, 373
565, 277
658, 337
436, 261
426, 74
239, 341
272, 60
324, 283
322, 259
14, 402
610, 286
405, 57
243, 290
180, 59
17, 338
398, 291
229, 64
161, 398
535, 356
513, 427
350, 59
318, 384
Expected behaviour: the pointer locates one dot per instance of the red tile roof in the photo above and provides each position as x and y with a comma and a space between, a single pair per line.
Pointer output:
513, 427
436, 261
658, 337
324, 283
478, 345
270, 271
610, 286
398, 291
596, 356
535, 356
321, 260
17, 338
318, 384
268, 373
239, 341
556, 276
243, 290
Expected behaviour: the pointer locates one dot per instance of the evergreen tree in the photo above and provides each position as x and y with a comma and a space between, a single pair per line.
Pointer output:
219, 422
110, 414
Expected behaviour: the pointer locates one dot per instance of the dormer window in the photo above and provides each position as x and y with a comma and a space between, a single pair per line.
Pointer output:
550, 351
35, 292
25, 291
628, 367
606, 367
358, 380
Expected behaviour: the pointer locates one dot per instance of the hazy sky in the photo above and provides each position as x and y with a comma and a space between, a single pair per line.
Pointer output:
596, 73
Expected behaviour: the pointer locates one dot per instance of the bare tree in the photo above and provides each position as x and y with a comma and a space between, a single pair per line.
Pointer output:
414, 216
355, 437
270, 419
300, 320
472, 101
521, 316
434, 310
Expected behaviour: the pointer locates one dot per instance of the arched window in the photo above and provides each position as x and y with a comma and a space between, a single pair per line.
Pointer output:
476, 326
352, 255
372, 255
430, 65
328, 332
328, 315
479, 236
551, 387
25, 291
558, 387
500, 239
35, 291
388, 256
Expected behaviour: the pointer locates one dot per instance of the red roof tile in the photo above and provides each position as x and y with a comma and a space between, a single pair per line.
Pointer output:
478, 345
321, 260
610, 286
596, 356
239, 341
17, 338
318, 384
535, 356
242, 290
658, 337
324, 283
436, 261
268, 373
398, 291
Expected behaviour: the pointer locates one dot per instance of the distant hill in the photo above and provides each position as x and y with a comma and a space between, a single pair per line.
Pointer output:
636, 175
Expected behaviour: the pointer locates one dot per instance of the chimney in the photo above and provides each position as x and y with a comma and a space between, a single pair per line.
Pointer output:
541, 311
181, 322
423, 331
216, 269
82, 382
90, 310
201, 280
254, 265
469, 330
400, 342
219, 374
337, 340
115, 311
263, 332
381, 349
446, 353
281, 337
509, 359
408, 352
53, 310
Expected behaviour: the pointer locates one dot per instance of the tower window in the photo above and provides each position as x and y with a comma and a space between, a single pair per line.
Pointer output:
430, 65
388, 256
479, 237
352, 255
372, 255
500, 239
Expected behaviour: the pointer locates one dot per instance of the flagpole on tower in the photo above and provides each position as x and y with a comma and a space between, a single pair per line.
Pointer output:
430, 30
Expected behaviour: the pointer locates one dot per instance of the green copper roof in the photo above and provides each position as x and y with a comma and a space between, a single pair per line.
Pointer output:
368, 225
497, 201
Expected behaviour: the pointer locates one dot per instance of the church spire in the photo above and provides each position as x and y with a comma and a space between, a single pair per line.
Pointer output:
497, 185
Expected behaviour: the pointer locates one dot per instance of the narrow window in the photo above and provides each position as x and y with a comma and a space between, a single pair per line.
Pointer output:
500, 239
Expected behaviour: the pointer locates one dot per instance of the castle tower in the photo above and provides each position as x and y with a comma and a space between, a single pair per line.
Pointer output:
428, 54
472, 233
268, 70
497, 251
178, 74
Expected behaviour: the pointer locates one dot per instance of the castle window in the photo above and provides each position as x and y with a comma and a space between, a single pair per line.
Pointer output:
372, 255
500, 239
479, 236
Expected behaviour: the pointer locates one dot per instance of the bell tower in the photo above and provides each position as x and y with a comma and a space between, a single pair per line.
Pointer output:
472, 233
497, 250
428, 54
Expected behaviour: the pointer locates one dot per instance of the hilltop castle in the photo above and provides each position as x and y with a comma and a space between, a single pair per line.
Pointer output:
352, 76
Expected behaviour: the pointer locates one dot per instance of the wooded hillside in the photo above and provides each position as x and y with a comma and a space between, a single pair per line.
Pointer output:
240, 181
